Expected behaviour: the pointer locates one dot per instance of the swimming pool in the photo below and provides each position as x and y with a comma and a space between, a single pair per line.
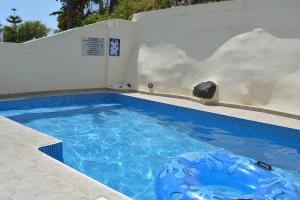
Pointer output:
122, 141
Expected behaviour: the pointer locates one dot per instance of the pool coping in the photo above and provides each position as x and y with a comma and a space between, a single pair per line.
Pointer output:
25, 167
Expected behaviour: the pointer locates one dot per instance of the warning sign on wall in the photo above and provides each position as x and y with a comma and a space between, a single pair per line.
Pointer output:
93, 46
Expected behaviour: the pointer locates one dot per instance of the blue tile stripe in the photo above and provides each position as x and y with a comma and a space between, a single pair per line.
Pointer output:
55, 101
240, 127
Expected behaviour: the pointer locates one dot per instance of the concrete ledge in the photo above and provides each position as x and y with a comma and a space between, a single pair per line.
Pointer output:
28, 174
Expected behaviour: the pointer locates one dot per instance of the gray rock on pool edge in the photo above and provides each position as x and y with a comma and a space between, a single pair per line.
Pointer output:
205, 90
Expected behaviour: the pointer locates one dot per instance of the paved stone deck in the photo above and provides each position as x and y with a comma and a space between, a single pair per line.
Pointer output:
28, 174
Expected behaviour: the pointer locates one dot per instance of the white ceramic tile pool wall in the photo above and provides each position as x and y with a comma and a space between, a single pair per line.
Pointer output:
56, 62
178, 49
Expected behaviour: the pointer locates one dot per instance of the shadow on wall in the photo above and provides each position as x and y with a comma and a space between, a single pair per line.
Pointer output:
254, 68
257, 93
168, 67
132, 68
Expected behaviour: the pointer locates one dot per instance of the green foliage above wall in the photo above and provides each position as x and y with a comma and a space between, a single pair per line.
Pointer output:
25, 31
127, 8
32, 29
9, 34
92, 11
22, 32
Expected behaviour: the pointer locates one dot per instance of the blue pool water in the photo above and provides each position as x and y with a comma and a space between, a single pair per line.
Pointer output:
122, 141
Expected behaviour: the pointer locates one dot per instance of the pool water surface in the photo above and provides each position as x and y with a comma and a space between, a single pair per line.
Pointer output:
123, 144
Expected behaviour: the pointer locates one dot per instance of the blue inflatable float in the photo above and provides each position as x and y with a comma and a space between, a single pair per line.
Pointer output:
221, 176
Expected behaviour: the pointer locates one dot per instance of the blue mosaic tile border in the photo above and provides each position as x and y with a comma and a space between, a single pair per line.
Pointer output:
55, 101
241, 127
54, 150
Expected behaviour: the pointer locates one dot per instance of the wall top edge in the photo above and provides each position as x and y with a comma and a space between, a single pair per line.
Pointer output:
212, 8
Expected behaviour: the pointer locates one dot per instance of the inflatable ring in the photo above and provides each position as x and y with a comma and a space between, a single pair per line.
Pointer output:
220, 176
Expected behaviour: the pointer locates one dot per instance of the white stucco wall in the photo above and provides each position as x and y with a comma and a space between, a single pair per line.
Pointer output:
183, 46
117, 66
56, 62
175, 49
